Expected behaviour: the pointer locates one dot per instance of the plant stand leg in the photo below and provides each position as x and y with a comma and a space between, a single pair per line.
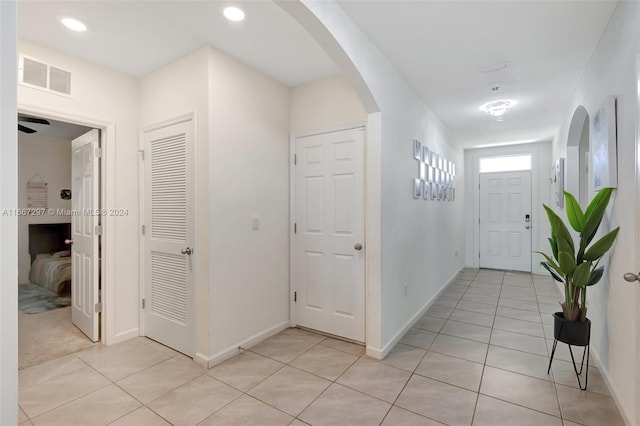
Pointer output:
553, 351
575, 368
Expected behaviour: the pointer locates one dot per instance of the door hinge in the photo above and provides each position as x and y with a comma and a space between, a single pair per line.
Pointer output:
141, 151
295, 296
295, 228
98, 152
98, 230
98, 307
478, 186
143, 229
478, 255
295, 159
143, 303
478, 220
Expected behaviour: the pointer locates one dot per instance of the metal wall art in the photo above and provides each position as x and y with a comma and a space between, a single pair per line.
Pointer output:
436, 175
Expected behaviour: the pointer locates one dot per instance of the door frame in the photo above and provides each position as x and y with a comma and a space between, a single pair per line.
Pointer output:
107, 175
473, 157
637, 245
292, 218
193, 117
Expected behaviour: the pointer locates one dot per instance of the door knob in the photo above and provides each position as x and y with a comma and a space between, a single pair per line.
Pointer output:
527, 227
358, 246
186, 250
631, 277
67, 241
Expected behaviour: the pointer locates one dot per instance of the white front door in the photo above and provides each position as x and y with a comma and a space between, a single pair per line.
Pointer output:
328, 270
85, 233
169, 236
505, 220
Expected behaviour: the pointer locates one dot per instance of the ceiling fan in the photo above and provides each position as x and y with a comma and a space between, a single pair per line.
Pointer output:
26, 119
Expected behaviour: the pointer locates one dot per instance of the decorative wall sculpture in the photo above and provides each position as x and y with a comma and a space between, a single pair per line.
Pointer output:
436, 175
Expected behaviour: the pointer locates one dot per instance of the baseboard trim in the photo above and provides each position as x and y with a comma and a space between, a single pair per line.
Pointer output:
414, 319
225, 354
124, 335
612, 390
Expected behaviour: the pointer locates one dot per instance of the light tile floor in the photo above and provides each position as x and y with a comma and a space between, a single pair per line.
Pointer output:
479, 356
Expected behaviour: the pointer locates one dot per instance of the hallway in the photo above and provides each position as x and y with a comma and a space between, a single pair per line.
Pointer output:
478, 357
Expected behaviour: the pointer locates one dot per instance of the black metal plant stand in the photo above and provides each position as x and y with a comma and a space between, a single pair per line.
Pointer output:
565, 338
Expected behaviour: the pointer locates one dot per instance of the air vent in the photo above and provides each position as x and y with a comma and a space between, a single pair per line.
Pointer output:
60, 80
34, 72
38, 74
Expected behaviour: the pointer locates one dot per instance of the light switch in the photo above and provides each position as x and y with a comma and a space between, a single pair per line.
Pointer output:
255, 222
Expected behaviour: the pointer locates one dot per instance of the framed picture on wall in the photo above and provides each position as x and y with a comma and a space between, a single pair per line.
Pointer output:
426, 190
425, 154
604, 155
422, 170
417, 150
417, 188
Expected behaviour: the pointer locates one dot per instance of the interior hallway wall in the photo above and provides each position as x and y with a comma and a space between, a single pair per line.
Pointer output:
50, 158
325, 104
108, 96
613, 302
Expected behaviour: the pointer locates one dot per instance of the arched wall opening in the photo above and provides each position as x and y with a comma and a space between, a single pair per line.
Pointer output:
577, 164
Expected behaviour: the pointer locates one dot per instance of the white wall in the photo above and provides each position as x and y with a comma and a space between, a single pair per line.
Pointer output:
613, 302
417, 239
540, 194
8, 223
180, 88
248, 175
51, 159
103, 96
325, 104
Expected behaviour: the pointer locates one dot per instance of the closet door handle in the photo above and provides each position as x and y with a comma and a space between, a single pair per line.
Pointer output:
68, 242
187, 251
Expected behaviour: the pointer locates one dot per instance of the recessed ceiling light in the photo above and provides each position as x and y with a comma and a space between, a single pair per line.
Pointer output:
74, 24
497, 109
233, 13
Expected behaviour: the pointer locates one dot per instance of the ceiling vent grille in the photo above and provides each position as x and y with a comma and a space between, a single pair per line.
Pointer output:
37, 74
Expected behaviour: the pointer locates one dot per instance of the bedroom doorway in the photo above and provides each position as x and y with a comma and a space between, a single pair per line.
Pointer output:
53, 207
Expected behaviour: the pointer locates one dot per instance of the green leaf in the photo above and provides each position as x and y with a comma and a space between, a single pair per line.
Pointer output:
560, 230
553, 242
555, 276
550, 261
599, 248
581, 274
564, 245
574, 212
595, 212
567, 263
595, 277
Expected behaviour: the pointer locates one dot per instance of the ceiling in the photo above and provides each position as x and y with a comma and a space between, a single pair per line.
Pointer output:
446, 51
56, 130
138, 37
450, 52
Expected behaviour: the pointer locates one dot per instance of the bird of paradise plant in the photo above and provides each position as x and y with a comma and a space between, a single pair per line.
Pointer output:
578, 267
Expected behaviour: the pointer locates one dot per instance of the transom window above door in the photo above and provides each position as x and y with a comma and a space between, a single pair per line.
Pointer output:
510, 163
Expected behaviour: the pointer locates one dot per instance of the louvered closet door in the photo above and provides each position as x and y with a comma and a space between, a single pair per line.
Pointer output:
170, 236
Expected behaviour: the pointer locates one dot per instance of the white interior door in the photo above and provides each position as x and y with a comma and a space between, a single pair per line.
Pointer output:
505, 220
169, 212
85, 233
328, 271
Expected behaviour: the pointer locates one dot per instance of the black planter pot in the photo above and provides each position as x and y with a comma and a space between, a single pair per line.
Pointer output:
576, 333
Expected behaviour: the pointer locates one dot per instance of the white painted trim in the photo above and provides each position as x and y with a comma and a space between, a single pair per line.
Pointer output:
353, 126
536, 221
182, 118
9, 223
125, 335
615, 394
381, 354
637, 206
292, 214
107, 200
234, 350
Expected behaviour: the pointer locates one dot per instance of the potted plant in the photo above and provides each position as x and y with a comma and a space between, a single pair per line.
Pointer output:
577, 267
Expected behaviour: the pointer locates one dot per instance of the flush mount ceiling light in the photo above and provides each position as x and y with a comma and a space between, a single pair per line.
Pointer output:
233, 13
73, 24
497, 109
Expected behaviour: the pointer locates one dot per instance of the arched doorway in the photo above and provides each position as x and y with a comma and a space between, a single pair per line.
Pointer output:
578, 156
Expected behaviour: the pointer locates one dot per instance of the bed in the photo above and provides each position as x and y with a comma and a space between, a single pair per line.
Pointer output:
50, 256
